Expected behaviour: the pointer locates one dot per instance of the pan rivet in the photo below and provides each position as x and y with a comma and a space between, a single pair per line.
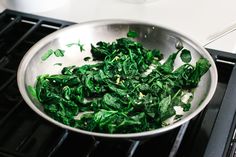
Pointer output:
179, 45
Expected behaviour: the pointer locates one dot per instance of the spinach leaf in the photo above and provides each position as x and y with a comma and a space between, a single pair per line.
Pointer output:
32, 91
202, 66
59, 64
168, 65
47, 55
185, 56
87, 58
59, 53
132, 34
81, 46
186, 107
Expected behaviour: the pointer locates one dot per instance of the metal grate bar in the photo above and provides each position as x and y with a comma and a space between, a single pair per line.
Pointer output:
7, 78
133, 148
7, 153
178, 140
24, 37
12, 23
233, 150
92, 148
47, 20
26, 138
10, 113
60, 142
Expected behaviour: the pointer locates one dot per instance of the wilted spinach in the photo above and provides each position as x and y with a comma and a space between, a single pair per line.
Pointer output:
59, 64
186, 56
81, 46
117, 95
132, 34
57, 53
87, 58
47, 54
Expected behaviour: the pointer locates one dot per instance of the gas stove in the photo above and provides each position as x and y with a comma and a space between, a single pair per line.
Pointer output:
24, 134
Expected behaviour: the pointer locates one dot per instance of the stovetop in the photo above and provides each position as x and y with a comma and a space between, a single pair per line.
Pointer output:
24, 134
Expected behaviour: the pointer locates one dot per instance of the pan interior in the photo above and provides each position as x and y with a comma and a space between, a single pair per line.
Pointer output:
151, 36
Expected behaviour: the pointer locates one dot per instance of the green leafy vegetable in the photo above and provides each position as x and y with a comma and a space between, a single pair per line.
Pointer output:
201, 68
32, 91
81, 46
132, 34
177, 117
186, 107
59, 64
57, 53
117, 95
168, 66
87, 58
47, 55
185, 56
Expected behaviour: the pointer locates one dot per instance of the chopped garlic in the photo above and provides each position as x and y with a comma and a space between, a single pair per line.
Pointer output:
141, 94
179, 110
115, 58
118, 80
185, 98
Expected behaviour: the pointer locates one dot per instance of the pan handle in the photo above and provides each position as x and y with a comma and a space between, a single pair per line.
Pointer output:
220, 34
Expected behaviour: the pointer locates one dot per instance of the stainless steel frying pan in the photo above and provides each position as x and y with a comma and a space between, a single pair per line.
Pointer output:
151, 35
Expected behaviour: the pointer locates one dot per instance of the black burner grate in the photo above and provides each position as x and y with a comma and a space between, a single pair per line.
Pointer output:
24, 134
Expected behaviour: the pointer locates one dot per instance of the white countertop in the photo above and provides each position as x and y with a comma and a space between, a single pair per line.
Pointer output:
200, 19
